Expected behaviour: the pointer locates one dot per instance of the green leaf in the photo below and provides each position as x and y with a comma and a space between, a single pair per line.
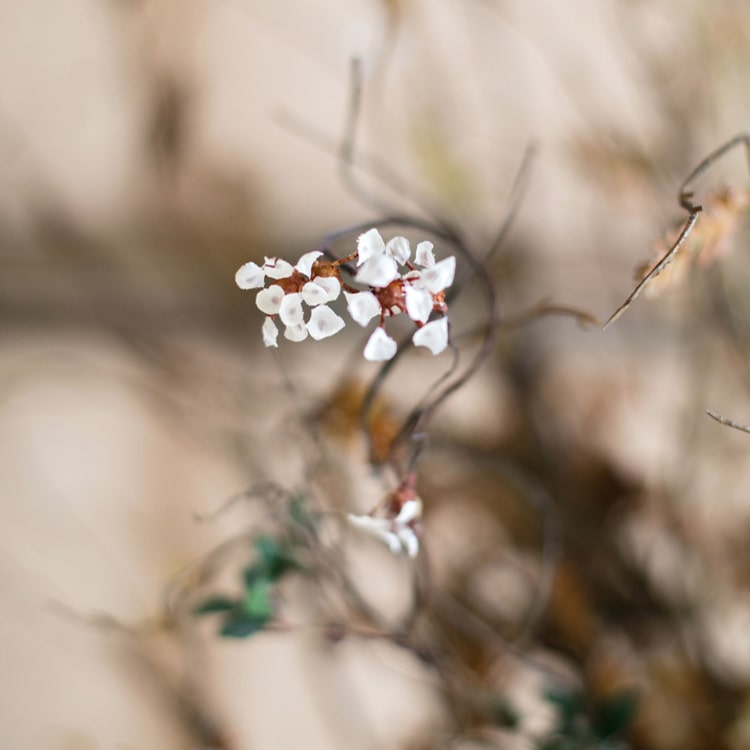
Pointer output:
238, 624
274, 559
215, 604
258, 603
614, 715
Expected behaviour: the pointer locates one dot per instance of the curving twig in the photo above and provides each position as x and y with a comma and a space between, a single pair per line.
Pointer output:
685, 199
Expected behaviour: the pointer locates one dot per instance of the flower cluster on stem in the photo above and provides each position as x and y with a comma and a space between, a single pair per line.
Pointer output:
393, 284
398, 526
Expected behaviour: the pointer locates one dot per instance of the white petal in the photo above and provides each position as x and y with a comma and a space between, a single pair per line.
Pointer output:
409, 541
290, 310
433, 335
276, 268
369, 245
380, 346
362, 306
380, 528
269, 300
296, 332
332, 286
314, 294
418, 303
324, 323
270, 332
250, 276
374, 526
379, 271
393, 541
399, 249
424, 255
305, 263
410, 510
440, 276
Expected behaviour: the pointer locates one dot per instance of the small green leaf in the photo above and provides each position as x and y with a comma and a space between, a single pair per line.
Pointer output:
215, 604
274, 559
258, 603
241, 625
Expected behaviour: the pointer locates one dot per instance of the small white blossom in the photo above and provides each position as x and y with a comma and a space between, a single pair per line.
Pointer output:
331, 285
440, 276
305, 263
433, 335
396, 533
324, 323
296, 332
418, 303
378, 271
277, 268
270, 332
250, 276
369, 244
380, 346
398, 248
411, 510
321, 290
314, 294
424, 255
269, 300
290, 309
362, 306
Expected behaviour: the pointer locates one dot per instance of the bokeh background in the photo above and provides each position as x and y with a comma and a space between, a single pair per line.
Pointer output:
150, 147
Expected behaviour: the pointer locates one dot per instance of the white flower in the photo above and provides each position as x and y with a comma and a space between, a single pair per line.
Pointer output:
269, 300
378, 263
305, 263
296, 332
380, 346
433, 335
398, 248
250, 276
277, 268
324, 323
362, 306
314, 294
321, 289
437, 277
418, 303
270, 332
410, 511
396, 533
424, 256
290, 309
287, 304
369, 244
378, 271
253, 276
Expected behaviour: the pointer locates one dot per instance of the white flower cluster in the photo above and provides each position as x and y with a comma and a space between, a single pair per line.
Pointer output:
418, 291
290, 287
398, 533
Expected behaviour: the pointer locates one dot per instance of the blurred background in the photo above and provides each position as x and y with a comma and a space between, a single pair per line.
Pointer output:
150, 147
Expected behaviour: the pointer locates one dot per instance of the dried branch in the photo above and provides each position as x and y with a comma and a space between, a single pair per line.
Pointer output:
727, 422
685, 199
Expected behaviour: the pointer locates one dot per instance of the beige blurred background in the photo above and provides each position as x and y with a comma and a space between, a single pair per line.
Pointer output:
150, 147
